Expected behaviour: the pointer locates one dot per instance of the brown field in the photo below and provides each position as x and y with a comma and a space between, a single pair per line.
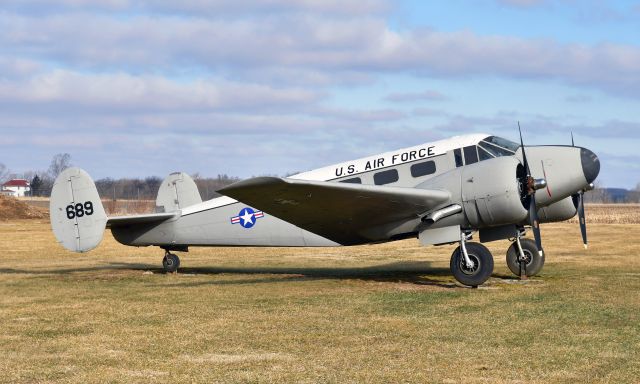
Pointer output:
381, 313
611, 214
112, 207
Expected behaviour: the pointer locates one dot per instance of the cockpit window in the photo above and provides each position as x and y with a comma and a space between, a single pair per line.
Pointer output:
497, 147
484, 154
503, 143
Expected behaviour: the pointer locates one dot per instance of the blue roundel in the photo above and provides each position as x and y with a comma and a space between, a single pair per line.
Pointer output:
247, 217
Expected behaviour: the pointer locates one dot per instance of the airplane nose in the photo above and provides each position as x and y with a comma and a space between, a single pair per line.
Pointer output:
590, 165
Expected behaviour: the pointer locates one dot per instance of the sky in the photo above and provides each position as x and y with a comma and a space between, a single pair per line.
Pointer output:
246, 88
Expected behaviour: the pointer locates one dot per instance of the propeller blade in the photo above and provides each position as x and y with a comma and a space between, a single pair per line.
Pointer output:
581, 216
572, 142
524, 155
535, 224
533, 210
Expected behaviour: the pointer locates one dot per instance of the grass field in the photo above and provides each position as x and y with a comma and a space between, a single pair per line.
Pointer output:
382, 313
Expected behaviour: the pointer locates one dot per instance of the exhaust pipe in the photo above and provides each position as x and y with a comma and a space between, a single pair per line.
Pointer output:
441, 214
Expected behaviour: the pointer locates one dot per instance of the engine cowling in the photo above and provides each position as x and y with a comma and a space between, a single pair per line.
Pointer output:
562, 210
491, 193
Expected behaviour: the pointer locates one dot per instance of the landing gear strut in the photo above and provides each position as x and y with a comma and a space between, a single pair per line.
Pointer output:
523, 258
170, 262
471, 263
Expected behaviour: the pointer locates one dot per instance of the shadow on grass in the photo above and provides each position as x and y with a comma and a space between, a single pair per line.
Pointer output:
419, 273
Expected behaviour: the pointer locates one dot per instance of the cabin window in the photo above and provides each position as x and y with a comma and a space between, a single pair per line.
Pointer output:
353, 180
470, 155
386, 177
458, 155
423, 169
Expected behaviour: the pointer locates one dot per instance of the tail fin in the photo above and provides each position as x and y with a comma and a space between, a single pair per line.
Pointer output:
177, 191
77, 216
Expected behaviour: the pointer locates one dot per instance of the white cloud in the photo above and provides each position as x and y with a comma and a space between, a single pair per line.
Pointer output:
319, 48
140, 94
204, 7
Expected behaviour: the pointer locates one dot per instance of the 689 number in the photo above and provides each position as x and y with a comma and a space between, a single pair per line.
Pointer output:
79, 210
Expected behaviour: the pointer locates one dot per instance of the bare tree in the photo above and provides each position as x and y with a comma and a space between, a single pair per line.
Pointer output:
59, 163
4, 173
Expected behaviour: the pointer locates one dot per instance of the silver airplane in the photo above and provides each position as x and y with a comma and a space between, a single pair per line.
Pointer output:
442, 192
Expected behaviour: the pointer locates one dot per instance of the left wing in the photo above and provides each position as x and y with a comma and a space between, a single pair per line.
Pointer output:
344, 213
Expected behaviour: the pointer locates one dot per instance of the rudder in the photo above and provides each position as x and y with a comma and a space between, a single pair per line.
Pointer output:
77, 216
177, 191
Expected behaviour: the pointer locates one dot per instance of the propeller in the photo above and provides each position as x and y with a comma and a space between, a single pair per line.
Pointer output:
578, 202
529, 187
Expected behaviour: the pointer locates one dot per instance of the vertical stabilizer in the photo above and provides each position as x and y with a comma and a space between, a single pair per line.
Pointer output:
176, 192
77, 216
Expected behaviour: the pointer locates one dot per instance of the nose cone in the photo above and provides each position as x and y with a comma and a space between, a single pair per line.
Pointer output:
590, 164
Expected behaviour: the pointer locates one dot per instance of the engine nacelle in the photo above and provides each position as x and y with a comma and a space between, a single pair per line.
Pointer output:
491, 193
562, 210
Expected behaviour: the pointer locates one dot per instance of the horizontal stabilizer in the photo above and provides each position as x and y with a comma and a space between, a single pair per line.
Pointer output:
123, 221
337, 211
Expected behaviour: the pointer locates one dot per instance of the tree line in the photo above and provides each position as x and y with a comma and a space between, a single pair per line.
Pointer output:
109, 188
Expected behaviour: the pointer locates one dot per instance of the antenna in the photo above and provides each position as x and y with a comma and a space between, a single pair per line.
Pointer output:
572, 143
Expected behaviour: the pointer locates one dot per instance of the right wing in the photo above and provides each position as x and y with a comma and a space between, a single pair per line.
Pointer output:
344, 213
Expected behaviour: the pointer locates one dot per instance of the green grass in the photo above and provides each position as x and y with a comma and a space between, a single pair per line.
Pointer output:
383, 313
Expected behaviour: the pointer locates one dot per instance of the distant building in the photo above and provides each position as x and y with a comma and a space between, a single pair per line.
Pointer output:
16, 188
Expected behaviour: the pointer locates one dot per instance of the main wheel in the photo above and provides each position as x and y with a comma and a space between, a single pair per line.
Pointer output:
171, 263
533, 261
482, 265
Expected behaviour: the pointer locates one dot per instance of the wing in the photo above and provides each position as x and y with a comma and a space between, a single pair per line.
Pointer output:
123, 221
345, 213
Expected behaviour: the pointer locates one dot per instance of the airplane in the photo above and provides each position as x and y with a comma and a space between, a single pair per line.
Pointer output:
442, 192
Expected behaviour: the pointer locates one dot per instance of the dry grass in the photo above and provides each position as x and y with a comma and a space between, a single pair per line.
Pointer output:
611, 214
383, 313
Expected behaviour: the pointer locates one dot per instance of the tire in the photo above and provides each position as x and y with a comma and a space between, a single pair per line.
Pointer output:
534, 263
171, 263
482, 259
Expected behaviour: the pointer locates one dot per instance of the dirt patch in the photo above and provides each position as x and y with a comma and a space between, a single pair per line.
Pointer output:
11, 209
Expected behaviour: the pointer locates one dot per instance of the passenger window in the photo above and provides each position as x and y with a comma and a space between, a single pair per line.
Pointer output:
458, 155
353, 180
423, 169
470, 155
386, 177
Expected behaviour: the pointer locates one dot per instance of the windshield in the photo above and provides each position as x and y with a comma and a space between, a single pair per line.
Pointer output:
495, 146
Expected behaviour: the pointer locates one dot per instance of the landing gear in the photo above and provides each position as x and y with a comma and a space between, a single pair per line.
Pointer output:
471, 263
529, 262
170, 262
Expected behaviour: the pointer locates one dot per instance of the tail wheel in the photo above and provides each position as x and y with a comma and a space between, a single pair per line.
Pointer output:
533, 261
171, 263
477, 273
